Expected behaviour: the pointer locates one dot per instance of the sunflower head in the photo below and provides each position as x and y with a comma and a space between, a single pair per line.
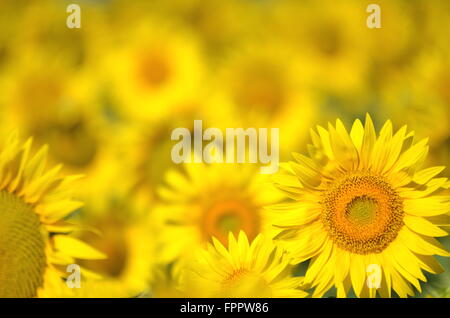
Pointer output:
153, 70
207, 201
127, 238
246, 270
35, 247
359, 199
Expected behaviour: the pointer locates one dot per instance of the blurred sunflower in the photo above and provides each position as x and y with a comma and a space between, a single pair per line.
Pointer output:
213, 21
35, 243
144, 148
405, 103
332, 53
399, 39
256, 270
257, 87
210, 201
360, 200
40, 30
166, 282
418, 97
152, 70
125, 234
45, 100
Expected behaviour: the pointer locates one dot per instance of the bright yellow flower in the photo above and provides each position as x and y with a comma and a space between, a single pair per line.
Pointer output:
152, 70
258, 270
36, 247
211, 200
363, 199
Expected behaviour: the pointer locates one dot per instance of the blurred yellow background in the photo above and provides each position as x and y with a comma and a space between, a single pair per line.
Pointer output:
105, 98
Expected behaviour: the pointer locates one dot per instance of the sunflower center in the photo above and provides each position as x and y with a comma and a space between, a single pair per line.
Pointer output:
362, 214
22, 248
228, 223
230, 216
153, 70
362, 210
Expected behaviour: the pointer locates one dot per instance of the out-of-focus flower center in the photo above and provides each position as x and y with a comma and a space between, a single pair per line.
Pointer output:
327, 40
230, 216
260, 87
362, 213
72, 143
22, 248
153, 70
113, 242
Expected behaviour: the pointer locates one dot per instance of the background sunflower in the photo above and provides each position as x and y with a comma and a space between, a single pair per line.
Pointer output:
106, 97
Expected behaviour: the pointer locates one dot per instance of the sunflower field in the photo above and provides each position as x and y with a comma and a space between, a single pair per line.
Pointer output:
92, 204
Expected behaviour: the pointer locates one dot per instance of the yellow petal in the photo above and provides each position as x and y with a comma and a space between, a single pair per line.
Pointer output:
423, 226
425, 175
368, 141
317, 263
357, 134
357, 273
429, 206
421, 244
76, 248
413, 155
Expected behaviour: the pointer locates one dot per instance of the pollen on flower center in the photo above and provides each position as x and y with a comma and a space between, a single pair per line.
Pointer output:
362, 213
22, 248
362, 210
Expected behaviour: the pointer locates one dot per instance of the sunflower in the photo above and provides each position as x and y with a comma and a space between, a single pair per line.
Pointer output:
152, 71
257, 87
360, 200
35, 245
125, 234
328, 37
211, 200
213, 21
259, 270
57, 109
